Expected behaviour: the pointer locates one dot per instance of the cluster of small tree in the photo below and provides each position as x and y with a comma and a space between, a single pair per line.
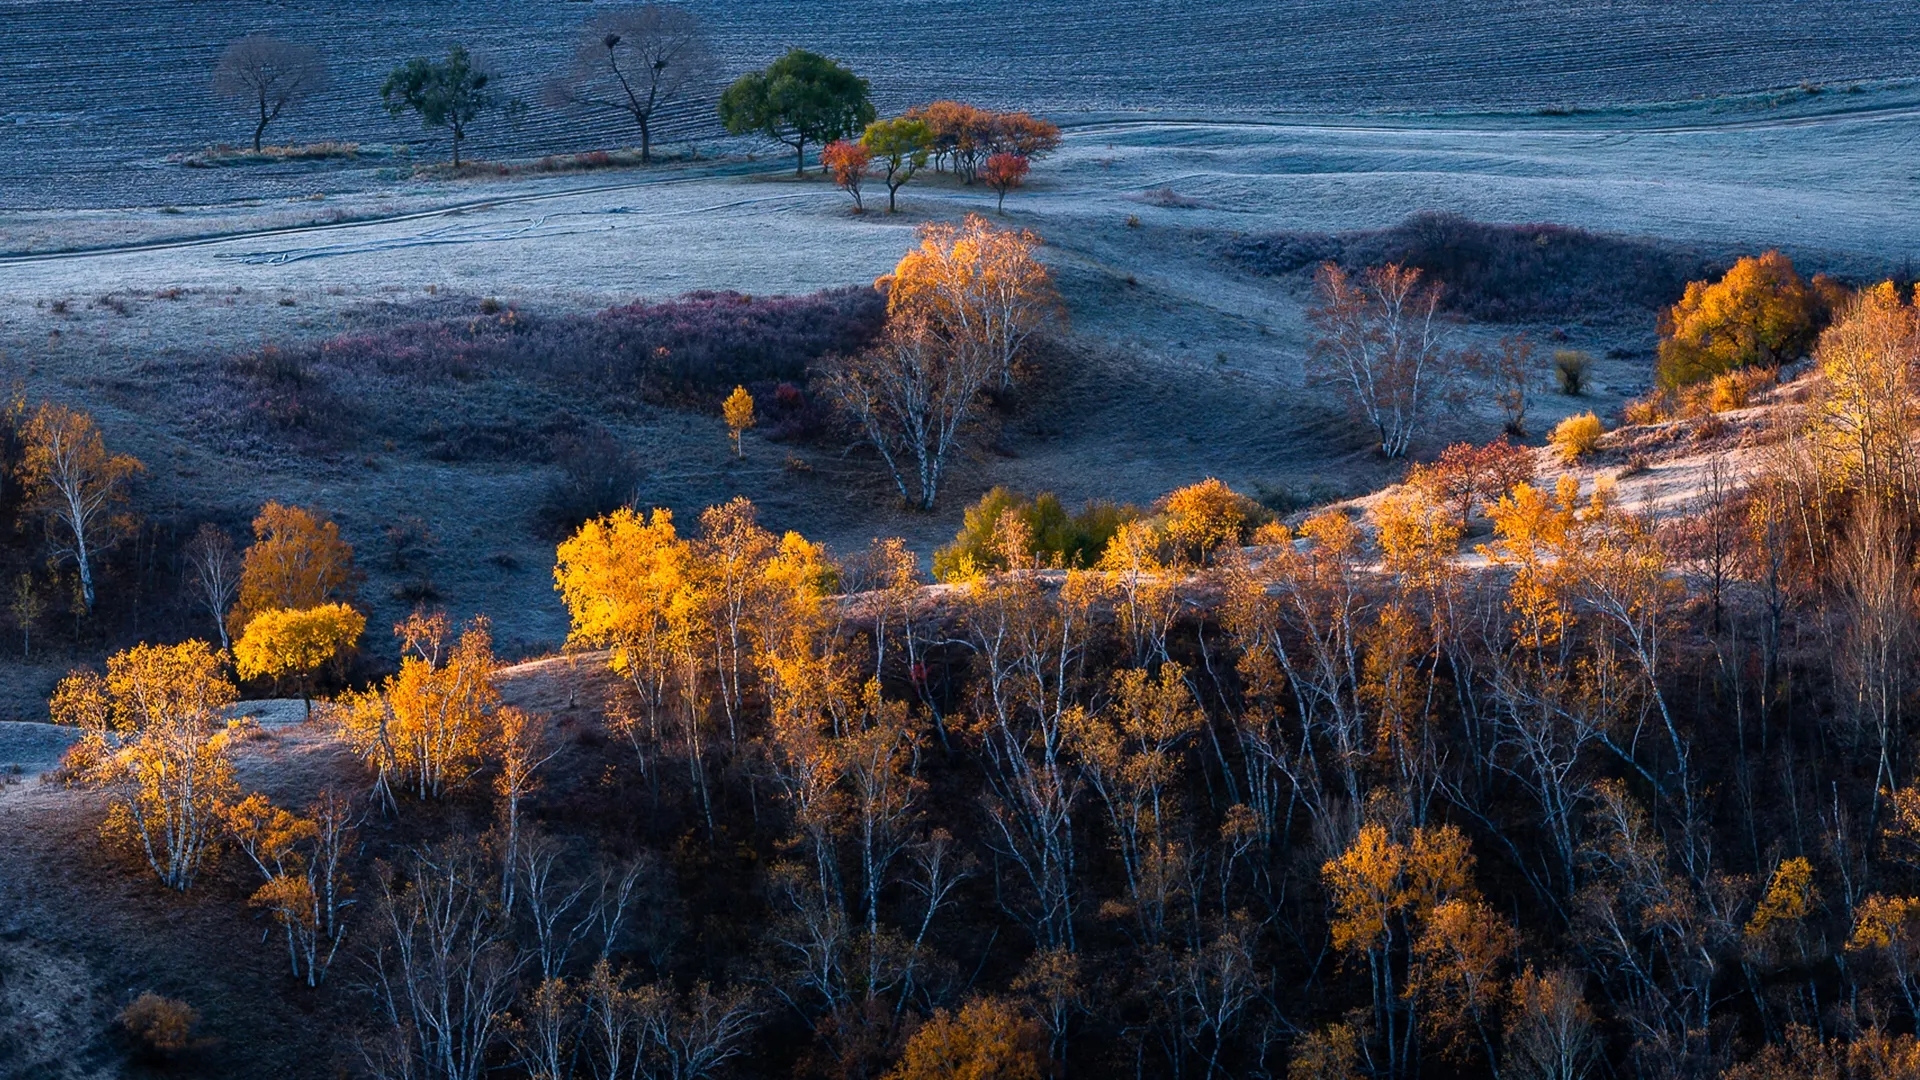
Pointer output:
993, 147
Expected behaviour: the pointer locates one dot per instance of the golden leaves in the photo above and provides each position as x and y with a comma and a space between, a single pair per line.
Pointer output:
297, 560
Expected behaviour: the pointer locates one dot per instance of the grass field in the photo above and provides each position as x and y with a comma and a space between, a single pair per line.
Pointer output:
94, 97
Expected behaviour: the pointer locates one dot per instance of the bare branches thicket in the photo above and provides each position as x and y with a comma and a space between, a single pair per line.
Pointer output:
266, 75
1380, 340
639, 62
445, 975
914, 399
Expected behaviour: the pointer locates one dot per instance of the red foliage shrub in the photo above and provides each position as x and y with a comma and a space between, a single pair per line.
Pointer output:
1466, 475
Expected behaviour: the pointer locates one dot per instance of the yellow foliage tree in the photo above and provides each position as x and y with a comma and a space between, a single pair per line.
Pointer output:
429, 727
1867, 408
987, 1040
738, 411
155, 735
1789, 898
70, 477
297, 560
1760, 313
1202, 518
624, 578
297, 643
978, 289
1398, 898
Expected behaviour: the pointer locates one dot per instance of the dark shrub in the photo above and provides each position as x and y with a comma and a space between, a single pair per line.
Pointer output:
597, 475
1500, 272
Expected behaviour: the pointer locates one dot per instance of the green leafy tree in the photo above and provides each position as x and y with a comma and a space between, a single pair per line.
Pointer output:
900, 146
801, 98
452, 95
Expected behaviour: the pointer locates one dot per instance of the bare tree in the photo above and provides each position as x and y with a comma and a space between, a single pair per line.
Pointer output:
215, 568
1379, 340
267, 74
638, 61
914, 399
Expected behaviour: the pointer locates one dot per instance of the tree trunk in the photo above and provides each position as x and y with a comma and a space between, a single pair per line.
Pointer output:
646, 144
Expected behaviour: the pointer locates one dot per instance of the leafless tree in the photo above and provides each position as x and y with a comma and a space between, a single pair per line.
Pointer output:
1379, 339
552, 902
638, 61
1873, 661
267, 74
914, 399
214, 566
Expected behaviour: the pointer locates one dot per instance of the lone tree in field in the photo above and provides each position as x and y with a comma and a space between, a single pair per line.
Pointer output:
1379, 340
452, 95
638, 62
901, 147
77, 485
738, 411
801, 98
266, 75
1003, 173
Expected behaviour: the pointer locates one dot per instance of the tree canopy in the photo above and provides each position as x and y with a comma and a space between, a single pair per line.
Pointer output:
801, 98
451, 94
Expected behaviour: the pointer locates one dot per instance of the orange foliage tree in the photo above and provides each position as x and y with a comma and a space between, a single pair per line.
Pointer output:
80, 488
986, 1040
1004, 172
302, 860
979, 290
847, 162
297, 560
155, 736
1759, 313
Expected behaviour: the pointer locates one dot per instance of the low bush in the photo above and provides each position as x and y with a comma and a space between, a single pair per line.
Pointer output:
1570, 367
1577, 436
1057, 537
597, 475
159, 1026
1500, 272
1201, 519
1738, 389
